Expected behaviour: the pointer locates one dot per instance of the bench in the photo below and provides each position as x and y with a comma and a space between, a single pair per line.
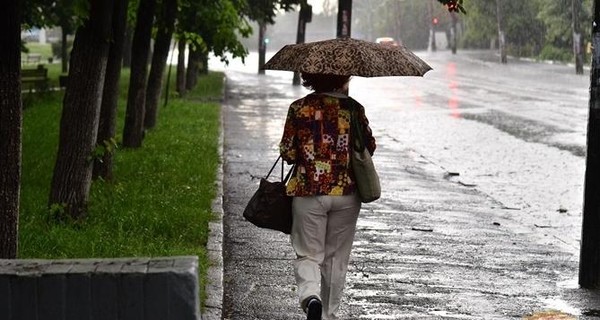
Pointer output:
32, 58
35, 78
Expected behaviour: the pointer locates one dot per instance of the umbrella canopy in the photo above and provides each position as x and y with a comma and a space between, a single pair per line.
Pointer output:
348, 57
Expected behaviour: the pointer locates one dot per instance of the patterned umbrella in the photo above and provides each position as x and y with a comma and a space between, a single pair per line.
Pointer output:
349, 57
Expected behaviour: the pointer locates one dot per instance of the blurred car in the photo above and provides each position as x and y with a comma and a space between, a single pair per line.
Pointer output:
387, 41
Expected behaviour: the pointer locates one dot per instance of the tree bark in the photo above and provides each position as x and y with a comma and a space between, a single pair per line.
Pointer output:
501, 36
191, 76
64, 50
127, 47
11, 119
110, 96
81, 112
133, 132
589, 262
159, 61
181, 66
577, 37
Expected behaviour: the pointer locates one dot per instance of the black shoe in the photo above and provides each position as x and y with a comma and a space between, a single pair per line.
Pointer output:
313, 310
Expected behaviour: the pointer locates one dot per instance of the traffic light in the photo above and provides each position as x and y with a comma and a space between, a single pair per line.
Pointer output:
435, 21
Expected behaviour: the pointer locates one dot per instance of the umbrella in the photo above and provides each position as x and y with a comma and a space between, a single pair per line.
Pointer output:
348, 57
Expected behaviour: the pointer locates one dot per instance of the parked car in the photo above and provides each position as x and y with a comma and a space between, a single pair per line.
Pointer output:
387, 41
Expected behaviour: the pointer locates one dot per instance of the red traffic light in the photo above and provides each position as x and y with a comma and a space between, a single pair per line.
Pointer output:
435, 20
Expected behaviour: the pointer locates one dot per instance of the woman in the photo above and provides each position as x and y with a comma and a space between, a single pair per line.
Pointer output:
325, 207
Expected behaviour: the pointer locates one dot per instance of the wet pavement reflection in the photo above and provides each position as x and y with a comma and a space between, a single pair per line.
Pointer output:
482, 172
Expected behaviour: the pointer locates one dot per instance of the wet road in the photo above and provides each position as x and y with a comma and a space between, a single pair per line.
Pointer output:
482, 168
516, 131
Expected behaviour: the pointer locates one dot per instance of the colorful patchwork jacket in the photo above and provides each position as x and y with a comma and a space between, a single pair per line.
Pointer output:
316, 138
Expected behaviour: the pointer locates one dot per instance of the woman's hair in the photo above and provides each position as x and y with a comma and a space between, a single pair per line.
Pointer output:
323, 82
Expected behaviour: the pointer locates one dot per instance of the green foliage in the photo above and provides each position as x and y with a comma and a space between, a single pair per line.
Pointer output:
536, 28
266, 10
553, 53
214, 26
160, 201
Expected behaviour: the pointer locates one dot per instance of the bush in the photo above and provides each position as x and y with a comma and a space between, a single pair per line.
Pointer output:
556, 54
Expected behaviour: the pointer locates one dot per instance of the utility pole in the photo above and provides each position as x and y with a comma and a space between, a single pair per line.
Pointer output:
577, 37
453, 44
432, 25
344, 19
589, 262
304, 16
262, 46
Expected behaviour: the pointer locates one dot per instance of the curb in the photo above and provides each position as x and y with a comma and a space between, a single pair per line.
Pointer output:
213, 306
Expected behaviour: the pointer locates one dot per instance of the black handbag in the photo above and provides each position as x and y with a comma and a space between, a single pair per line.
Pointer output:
270, 207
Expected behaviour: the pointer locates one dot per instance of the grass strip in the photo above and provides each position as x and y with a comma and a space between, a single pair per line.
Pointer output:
159, 203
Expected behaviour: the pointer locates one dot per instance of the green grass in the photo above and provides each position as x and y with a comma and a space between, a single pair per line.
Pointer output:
160, 201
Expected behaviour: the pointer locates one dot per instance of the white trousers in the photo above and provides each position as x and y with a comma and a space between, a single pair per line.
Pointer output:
322, 236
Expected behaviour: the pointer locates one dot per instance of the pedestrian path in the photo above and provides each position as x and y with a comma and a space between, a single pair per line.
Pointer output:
430, 248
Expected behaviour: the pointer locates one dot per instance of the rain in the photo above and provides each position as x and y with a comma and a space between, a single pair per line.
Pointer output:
482, 163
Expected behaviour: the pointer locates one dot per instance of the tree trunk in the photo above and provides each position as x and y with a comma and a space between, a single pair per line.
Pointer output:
133, 132
204, 63
159, 61
577, 37
181, 66
11, 119
191, 76
81, 112
501, 37
589, 262
110, 96
64, 49
127, 47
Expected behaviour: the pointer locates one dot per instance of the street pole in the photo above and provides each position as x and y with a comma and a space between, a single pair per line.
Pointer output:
577, 37
344, 18
262, 46
304, 16
589, 262
454, 18
432, 46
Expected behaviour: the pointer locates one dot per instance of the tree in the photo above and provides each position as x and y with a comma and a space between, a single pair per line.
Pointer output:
211, 26
180, 82
264, 12
501, 35
105, 142
133, 131
72, 174
165, 26
10, 127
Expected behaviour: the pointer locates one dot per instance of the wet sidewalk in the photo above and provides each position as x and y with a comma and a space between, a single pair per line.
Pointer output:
430, 248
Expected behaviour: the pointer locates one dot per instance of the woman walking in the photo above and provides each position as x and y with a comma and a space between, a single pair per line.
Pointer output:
325, 206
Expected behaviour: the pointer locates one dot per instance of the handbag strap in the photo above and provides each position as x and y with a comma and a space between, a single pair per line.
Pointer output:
287, 176
358, 143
